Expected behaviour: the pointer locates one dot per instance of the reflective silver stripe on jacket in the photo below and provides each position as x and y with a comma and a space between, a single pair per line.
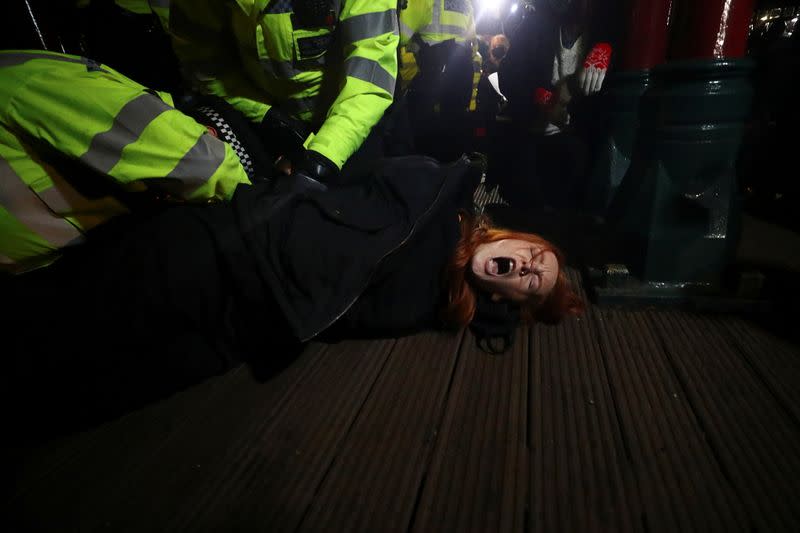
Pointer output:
436, 27
442, 30
278, 6
62, 198
105, 150
19, 200
285, 6
369, 25
18, 58
200, 163
279, 69
286, 70
406, 32
371, 71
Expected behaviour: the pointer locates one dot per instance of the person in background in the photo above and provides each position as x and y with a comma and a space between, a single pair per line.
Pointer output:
489, 99
558, 60
498, 48
315, 75
81, 144
441, 35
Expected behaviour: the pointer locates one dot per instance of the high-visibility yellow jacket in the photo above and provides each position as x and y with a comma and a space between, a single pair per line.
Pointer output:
340, 77
477, 65
66, 121
437, 21
408, 67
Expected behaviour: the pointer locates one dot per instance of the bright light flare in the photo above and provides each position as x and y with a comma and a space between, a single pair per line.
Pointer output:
490, 6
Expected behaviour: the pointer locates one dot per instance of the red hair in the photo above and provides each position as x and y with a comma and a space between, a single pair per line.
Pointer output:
461, 293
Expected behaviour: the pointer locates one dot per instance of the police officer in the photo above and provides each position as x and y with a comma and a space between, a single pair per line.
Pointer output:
80, 144
440, 33
317, 73
436, 21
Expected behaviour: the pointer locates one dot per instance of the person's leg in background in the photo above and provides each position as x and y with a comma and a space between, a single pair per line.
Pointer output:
453, 128
561, 169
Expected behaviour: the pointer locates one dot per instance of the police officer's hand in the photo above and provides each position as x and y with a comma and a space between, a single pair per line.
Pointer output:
309, 174
316, 166
282, 135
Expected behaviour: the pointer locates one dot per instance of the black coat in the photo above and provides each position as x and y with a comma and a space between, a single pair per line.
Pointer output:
188, 292
319, 253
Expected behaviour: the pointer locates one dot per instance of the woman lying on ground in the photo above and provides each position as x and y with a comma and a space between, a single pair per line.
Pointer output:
190, 291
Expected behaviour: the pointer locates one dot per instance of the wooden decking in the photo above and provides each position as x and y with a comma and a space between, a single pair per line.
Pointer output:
648, 420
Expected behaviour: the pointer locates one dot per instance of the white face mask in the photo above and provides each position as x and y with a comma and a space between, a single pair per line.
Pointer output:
514, 269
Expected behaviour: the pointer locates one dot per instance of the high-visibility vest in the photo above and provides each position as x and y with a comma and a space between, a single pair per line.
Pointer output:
64, 120
339, 77
408, 67
437, 21
477, 65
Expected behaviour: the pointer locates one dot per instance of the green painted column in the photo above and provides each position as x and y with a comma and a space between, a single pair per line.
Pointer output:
675, 216
677, 211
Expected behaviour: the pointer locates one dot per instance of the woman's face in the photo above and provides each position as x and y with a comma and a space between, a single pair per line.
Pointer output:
514, 269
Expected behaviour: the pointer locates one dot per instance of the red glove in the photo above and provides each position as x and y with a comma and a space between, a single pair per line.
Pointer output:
542, 96
590, 79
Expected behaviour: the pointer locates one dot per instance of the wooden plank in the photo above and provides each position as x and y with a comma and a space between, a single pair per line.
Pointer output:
118, 496
373, 483
774, 360
33, 462
478, 475
581, 477
681, 480
51, 482
753, 438
268, 469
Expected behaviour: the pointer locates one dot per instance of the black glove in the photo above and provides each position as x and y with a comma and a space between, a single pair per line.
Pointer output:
316, 166
310, 174
282, 135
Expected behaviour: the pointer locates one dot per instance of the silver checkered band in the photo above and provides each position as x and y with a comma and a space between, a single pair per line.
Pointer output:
226, 134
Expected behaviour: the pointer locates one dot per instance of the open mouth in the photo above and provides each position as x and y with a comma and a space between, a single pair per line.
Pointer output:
500, 266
